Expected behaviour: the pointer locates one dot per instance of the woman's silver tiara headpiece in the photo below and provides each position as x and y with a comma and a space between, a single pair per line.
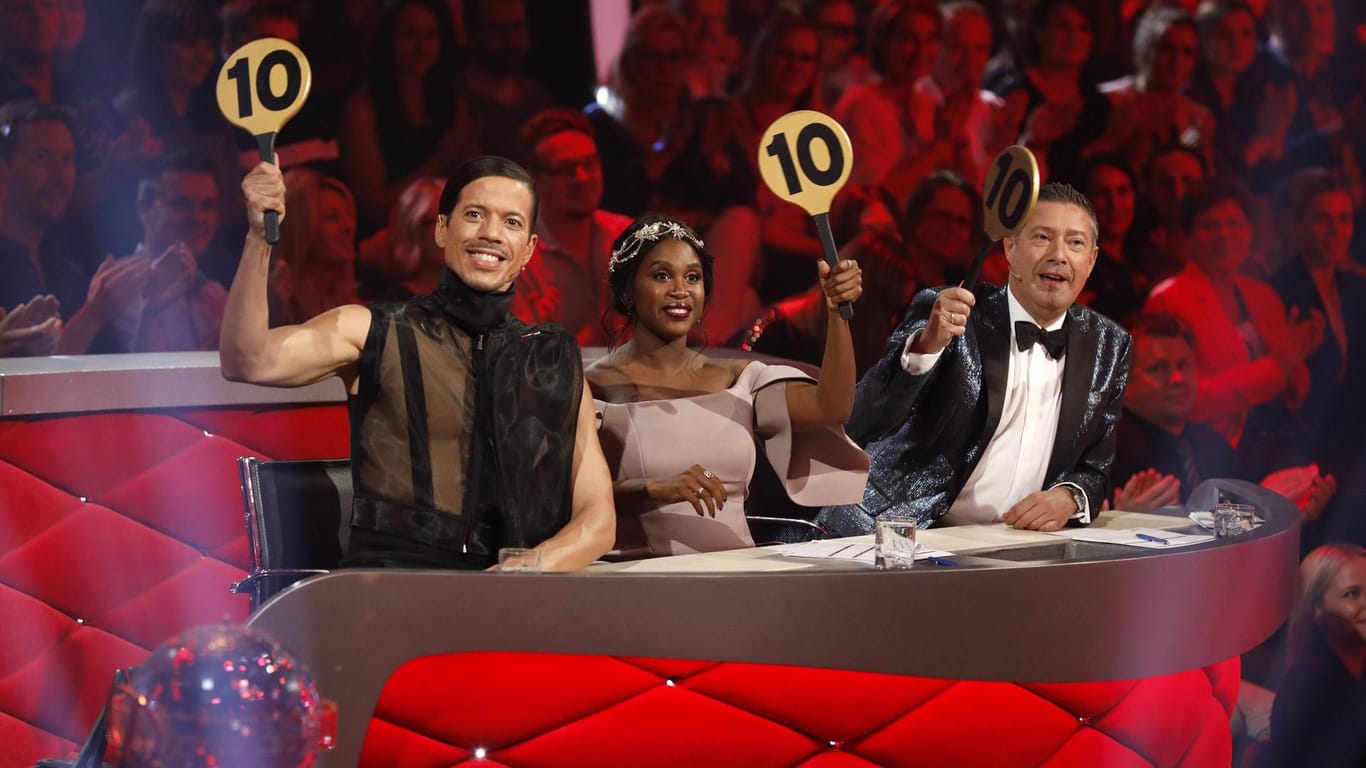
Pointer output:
650, 233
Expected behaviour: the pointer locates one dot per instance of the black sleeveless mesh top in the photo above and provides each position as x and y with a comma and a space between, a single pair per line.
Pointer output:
462, 431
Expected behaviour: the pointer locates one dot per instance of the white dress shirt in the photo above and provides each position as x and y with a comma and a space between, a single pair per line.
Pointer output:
1016, 458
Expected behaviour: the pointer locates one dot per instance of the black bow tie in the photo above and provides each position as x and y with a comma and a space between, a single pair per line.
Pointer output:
1053, 342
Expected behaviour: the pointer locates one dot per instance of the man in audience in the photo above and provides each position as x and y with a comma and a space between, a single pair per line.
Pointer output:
998, 404
39, 254
471, 431
1160, 455
566, 280
965, 114
180, 309
500, 94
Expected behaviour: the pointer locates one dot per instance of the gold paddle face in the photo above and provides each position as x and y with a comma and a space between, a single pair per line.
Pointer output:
263, 84
805, 158
1010, 191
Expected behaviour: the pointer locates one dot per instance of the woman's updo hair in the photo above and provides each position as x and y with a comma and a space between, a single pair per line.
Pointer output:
639, 239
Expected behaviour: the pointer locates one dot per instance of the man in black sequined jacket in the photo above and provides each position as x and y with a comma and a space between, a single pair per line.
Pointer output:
998, 404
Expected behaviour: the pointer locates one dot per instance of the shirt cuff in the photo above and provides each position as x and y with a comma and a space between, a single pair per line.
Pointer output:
915, 363
1083, 515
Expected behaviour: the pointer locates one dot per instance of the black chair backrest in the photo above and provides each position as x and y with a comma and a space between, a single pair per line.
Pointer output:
298, 517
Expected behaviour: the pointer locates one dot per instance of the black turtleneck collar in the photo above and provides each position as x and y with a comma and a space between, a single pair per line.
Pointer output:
470, 310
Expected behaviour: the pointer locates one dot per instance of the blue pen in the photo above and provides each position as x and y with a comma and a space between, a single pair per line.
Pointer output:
1152, 538
940, 560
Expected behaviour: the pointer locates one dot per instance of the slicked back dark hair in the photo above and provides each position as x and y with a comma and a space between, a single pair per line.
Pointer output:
483, 167
1060, 192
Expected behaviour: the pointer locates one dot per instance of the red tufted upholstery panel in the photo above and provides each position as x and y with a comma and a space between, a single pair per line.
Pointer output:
535, 710
118, 530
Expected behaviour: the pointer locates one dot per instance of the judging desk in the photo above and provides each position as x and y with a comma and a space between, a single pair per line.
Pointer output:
1080, 626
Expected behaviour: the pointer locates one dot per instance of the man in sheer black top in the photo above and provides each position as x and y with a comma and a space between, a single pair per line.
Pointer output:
470, 431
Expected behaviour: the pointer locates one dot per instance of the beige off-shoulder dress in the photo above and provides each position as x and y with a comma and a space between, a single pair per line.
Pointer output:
723, 432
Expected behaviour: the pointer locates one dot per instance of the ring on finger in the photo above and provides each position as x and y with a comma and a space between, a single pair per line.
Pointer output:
707, 473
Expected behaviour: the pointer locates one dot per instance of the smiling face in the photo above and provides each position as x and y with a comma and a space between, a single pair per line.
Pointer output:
1342, 610
1051, 259
335, 227
487, 234
42, 172
184, 210
417, 41
668, 292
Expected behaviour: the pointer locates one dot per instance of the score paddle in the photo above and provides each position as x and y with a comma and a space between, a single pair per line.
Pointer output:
1008, 195
805, 158
260, 87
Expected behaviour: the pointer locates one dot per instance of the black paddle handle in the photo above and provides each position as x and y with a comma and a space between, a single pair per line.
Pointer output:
831, 255
976, 270
265, 142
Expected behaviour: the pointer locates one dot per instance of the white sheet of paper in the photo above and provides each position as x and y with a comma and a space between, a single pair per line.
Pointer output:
860, 550
1129, 537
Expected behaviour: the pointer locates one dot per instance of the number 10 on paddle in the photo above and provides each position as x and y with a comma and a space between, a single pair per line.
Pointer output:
805, 158
260, 87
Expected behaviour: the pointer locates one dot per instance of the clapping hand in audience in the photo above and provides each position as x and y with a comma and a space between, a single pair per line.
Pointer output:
32, 328
116, 283
171, 275
1305, 486
1146, 490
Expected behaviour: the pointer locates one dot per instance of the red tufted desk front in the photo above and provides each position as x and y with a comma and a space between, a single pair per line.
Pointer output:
122, 525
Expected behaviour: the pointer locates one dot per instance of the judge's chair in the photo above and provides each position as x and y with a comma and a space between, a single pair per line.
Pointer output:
298, 516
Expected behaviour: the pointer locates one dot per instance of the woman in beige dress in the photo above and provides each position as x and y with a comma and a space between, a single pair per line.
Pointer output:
682, 431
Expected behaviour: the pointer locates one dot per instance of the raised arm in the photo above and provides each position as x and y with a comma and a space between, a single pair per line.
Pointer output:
593, 521
831, 400
292, 355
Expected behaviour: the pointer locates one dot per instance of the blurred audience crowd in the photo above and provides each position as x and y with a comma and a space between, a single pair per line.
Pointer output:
1220, 141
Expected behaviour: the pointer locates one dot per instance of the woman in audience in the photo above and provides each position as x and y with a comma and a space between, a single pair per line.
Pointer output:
169, 68
681, 430
1050, 104
403, 260
1150, 109
1320, 278
781, 76
1252, 109
409, 122
890, 121
1117, 287
1319, 717
640, 113
313, 266
1249, 356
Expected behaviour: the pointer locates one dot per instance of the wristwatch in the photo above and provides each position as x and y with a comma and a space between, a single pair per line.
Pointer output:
1078, 497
